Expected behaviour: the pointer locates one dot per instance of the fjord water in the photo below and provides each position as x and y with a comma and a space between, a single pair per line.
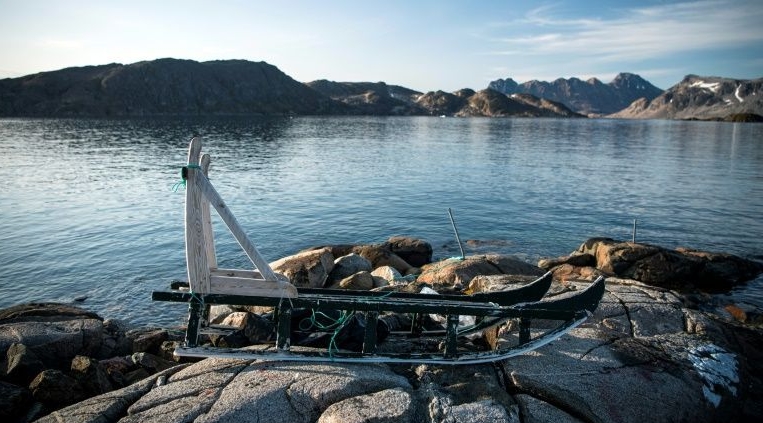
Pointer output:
87, 210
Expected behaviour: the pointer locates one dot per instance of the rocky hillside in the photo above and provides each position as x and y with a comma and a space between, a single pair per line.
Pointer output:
371, 98
697, 97
381, 99
591, 97
236, 87
162, 87
492, 103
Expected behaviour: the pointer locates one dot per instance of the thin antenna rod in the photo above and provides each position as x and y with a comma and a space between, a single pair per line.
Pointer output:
634, 231
458, 239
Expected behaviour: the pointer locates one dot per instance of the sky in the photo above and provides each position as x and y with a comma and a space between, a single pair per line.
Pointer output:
419, 44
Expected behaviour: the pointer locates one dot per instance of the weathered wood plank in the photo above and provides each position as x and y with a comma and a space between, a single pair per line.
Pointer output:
252, 287
195, 244
206, 215
239, 273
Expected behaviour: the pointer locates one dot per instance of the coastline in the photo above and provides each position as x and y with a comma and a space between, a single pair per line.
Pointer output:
706, 356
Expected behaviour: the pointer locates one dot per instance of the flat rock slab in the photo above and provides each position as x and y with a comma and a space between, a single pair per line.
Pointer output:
246, 391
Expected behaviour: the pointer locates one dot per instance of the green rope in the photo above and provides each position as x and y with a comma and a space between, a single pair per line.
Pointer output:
335, 325
181, 182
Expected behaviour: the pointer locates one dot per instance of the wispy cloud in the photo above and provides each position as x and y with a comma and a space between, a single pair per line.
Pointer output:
635, 34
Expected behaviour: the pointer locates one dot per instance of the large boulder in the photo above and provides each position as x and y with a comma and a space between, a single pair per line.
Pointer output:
456, 272
55, 333
23, 365
92, 376
348, 265
233, 390
361, 281
635, 346
308, 269
56, 389
658, 266
393, 405
414, 251
380, 255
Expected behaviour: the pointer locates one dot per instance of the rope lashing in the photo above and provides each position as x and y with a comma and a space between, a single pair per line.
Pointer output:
184, 176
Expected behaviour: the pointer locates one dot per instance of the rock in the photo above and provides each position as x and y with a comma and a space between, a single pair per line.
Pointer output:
135, 375
488, 283
218, 312
379, 282
167, 350
485, 411
648, 355
675, 269
254, 329
151, 363
44, 312
362, 281
465, 384
14, 401
379, 256
393, 405
233, 390
91, 375
146, 339
415, 252
388, 273
567, 271
114, 340
308, 269
56, 389
347, 266
118, 364
576, 259
23, 365
458, 272
534, 410
719, 267
108, 407
54, 342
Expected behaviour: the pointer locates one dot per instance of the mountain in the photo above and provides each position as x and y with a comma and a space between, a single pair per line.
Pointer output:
698, 97
489, 102
235, 87
162, 87
381, 99
591, 97
371, 98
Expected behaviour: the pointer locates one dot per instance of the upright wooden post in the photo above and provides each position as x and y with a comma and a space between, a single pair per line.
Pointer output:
195, 244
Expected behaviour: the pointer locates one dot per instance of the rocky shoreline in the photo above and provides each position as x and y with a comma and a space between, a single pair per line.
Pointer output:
652, 350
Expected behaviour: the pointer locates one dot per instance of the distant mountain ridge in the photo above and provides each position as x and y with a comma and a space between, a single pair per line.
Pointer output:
698, 97
228, 87
380, 98
239, 87
162, 87
591, 97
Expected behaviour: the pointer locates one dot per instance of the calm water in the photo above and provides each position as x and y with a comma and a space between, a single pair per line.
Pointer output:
87, 210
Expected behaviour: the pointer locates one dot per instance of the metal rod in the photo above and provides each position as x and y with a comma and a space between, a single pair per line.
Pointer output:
458, 239
634, 231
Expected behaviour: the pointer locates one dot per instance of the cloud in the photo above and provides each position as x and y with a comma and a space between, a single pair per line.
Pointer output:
637, 33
